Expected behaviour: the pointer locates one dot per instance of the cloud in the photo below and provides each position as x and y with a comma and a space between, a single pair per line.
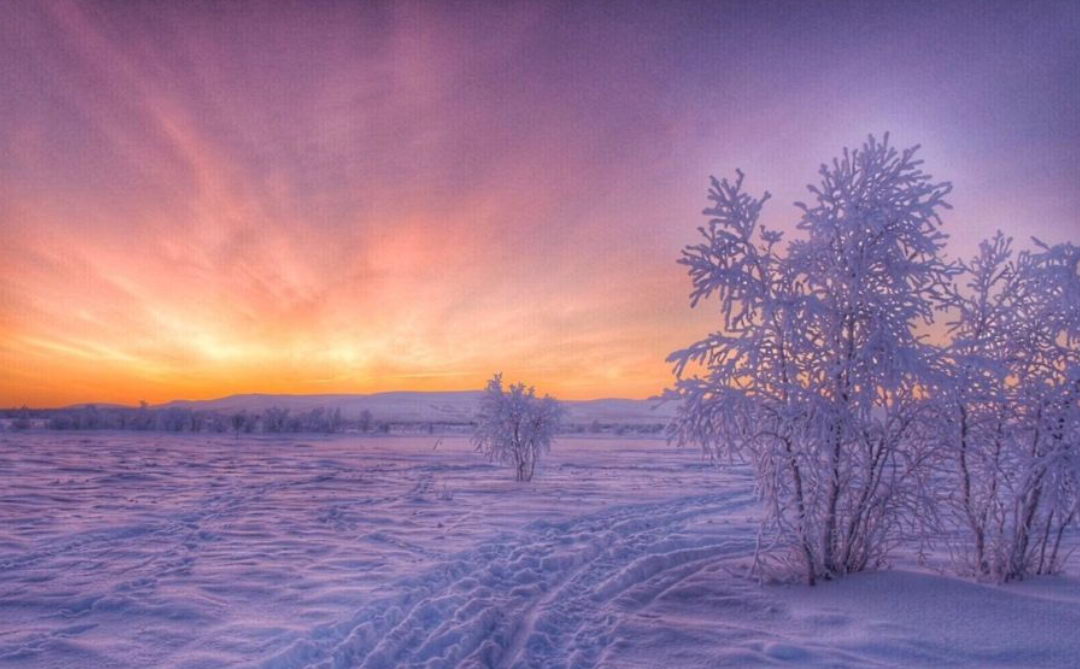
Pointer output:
202, 199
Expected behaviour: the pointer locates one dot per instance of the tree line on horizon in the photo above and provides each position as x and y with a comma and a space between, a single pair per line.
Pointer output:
273, 420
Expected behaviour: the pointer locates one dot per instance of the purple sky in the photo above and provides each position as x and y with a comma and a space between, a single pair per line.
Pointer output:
205, 198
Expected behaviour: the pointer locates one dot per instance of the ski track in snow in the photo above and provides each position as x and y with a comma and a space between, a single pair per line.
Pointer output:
188, 551
128, 549
539, 599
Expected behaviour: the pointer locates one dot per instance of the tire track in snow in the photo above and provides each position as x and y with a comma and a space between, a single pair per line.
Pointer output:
549, 596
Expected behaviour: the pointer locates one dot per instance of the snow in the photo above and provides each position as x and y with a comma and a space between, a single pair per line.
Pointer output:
141, 549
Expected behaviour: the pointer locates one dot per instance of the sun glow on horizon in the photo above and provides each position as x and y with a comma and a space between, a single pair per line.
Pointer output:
199, 202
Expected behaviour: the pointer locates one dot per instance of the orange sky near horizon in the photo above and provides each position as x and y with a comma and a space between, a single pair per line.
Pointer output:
199, 200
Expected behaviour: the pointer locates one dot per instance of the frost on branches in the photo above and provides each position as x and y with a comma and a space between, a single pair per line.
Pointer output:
515, 427
819, 377
1011, 415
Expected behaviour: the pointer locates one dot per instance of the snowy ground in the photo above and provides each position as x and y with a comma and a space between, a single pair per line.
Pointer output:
143, 550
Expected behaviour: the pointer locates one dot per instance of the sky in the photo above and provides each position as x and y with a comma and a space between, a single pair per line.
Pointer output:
199, 199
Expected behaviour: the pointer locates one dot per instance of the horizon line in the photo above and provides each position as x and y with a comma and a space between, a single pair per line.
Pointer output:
266, 394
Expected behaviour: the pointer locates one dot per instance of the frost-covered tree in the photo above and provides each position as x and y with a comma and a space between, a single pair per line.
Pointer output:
366, 421
240, 421
750, 403
515, 427
872, 261
1010, 408
815, 374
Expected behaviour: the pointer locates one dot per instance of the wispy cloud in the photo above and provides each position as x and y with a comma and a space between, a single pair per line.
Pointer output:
200, 199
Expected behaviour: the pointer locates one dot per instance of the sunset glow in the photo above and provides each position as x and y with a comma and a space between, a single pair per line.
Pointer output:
198, 200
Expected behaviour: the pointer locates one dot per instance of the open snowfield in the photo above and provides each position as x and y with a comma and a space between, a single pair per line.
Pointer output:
145, 550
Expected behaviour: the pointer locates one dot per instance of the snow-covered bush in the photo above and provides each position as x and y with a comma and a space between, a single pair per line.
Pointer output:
816, 374
1010, 409
516, 427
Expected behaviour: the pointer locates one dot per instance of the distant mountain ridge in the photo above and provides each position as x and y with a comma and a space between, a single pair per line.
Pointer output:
416, 406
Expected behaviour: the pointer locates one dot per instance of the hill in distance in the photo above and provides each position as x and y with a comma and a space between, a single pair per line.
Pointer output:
451, 407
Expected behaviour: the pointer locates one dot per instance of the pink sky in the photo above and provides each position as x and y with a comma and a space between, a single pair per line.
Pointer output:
202, 199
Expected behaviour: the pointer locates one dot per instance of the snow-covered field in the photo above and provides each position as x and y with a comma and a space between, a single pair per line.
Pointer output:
145, 550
